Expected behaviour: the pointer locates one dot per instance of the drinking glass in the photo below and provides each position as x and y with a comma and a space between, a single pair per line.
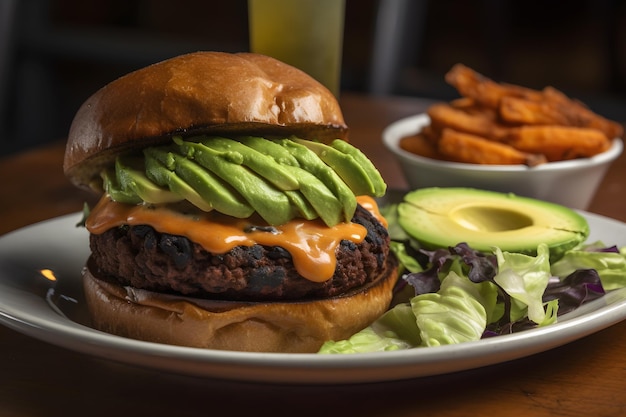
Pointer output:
307, 34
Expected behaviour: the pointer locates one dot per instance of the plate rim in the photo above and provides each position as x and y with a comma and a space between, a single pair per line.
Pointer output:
297, 368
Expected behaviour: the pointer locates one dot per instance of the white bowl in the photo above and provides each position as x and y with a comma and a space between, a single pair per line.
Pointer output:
571, 183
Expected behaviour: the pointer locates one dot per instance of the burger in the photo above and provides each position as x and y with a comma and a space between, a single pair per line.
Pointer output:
233, 214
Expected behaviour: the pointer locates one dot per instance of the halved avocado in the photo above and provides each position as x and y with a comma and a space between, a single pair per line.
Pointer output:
442, 217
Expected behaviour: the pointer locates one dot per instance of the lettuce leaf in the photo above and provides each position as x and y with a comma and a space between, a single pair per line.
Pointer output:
394, 330
577, 288
525, 278
396, 232
455, 314
407, 261
609, 263
463, 295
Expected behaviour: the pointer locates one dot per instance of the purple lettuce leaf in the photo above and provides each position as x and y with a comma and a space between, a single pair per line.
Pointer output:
483, 267
579, 287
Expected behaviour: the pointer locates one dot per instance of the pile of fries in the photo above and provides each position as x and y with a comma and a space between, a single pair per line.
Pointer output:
500, 124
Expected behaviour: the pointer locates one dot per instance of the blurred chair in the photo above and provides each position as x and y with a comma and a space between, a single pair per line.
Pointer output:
398, 35
7, 32
34, 103
399, 58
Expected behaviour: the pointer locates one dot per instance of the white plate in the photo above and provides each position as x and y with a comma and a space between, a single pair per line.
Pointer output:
61, 247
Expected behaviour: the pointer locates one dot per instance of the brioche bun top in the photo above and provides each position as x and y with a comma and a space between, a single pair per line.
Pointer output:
198, 93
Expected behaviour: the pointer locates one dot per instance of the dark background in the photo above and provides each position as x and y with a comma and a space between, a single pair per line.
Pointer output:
55, 53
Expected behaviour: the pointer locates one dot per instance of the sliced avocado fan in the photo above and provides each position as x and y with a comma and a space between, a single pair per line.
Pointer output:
278, 179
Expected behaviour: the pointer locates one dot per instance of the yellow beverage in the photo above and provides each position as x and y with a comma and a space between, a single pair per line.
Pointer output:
307, 34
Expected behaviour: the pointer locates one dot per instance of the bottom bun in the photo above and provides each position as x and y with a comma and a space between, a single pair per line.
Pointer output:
292, 327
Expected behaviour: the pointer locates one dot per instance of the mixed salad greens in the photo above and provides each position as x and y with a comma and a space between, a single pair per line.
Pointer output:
458, 294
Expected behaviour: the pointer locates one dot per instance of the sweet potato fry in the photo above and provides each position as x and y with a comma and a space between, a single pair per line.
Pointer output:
472, 108
577, 114
464, 147
522, 111
559, 142
430, 134
483, 90
474, 122
500, 123
420, 145
556, 109
464, 103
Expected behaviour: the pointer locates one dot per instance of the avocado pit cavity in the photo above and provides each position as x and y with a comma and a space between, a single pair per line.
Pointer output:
490, 219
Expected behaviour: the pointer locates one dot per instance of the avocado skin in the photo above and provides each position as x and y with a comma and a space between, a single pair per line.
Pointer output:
442, 217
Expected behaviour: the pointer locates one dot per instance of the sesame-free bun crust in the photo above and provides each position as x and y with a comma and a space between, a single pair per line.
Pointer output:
202, 92
286, 327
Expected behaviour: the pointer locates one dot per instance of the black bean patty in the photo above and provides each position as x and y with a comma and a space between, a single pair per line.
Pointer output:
141, 257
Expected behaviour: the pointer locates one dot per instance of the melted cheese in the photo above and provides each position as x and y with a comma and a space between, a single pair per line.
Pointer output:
311, 244
369, 204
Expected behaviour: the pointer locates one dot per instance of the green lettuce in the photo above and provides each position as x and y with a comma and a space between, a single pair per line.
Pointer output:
462, 306
525, 278
394, 330
609, 264
455, 314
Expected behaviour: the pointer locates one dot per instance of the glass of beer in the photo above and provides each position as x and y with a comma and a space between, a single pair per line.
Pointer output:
307, 34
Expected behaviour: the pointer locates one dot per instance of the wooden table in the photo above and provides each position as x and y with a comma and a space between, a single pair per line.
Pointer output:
586, 377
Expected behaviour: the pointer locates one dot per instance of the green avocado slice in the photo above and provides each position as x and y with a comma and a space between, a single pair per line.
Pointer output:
219, 196
268, 201
113, 189
132, 181
353, 174
442, 217
270, 148
327, 206
277, 178
309, 161
305, 208
159, 173
380, 187
259, 162
320, 197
